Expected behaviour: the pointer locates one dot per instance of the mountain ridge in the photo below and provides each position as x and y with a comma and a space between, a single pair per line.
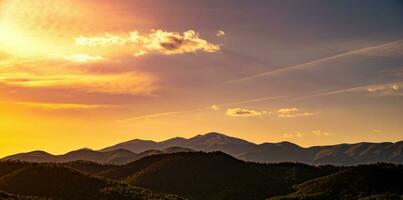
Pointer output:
129, 151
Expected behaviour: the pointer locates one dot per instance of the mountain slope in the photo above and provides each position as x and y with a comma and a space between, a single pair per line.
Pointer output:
118, 156
198, 175
353, 183
82, 154
207, 142
59, 182
5, 196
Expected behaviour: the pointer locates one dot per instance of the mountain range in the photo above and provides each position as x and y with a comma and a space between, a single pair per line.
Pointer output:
126, 152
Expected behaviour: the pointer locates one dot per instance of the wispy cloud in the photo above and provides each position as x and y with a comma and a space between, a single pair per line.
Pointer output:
377, 130
158, 115
241, 112
293, 135
82, 58
320, 133
220, 33
394, 89
133, 83
215, 107
315, 62
59, 106
292, 112
158, 41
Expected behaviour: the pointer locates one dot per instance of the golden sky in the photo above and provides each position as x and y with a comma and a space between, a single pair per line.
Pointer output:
86, 73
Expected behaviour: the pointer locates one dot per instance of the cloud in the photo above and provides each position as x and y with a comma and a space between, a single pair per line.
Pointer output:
132, 83
240, 112
215, 107
220, 33
158, 41
59, 106
292, 112
287, 110
377, 130
293, 135
320, 133
82, 58
393, 89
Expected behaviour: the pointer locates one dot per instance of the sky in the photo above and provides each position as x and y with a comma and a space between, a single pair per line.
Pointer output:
92, 73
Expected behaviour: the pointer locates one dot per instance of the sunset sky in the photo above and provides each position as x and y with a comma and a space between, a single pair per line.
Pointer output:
92, 73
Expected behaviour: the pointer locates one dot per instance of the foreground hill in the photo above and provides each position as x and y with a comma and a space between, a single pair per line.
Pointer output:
5, 196
215, 175
60, 182
126, 152
362, 182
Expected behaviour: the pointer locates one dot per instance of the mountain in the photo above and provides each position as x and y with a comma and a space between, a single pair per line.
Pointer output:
363, 182
207, 142
34, 156
214, 175
56, 181
118, 156
126, 152
342, 154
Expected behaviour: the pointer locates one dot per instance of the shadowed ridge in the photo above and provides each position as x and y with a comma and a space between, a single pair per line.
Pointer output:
6, 196
380, 180
33, 156
175, 149
278, 152
57, 181
176, 141
219, 142
136, 146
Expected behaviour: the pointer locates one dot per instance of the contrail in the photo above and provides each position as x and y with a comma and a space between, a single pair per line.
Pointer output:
157, 115
303, 65
261, 99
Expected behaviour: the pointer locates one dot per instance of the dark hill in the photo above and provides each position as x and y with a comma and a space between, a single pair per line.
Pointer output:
5, 196
59, 182
198, 175
367, 181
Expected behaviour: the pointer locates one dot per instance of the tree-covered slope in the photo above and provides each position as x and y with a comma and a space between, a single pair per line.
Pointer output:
379, 181
59, 182
198, 175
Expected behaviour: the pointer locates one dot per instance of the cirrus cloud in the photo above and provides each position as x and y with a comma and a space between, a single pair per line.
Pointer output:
292, 112
240, 112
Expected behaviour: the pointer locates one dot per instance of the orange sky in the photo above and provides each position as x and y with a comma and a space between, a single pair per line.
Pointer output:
91, 74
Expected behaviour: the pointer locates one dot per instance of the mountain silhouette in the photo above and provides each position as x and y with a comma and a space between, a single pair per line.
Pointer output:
126, 152
118, 156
